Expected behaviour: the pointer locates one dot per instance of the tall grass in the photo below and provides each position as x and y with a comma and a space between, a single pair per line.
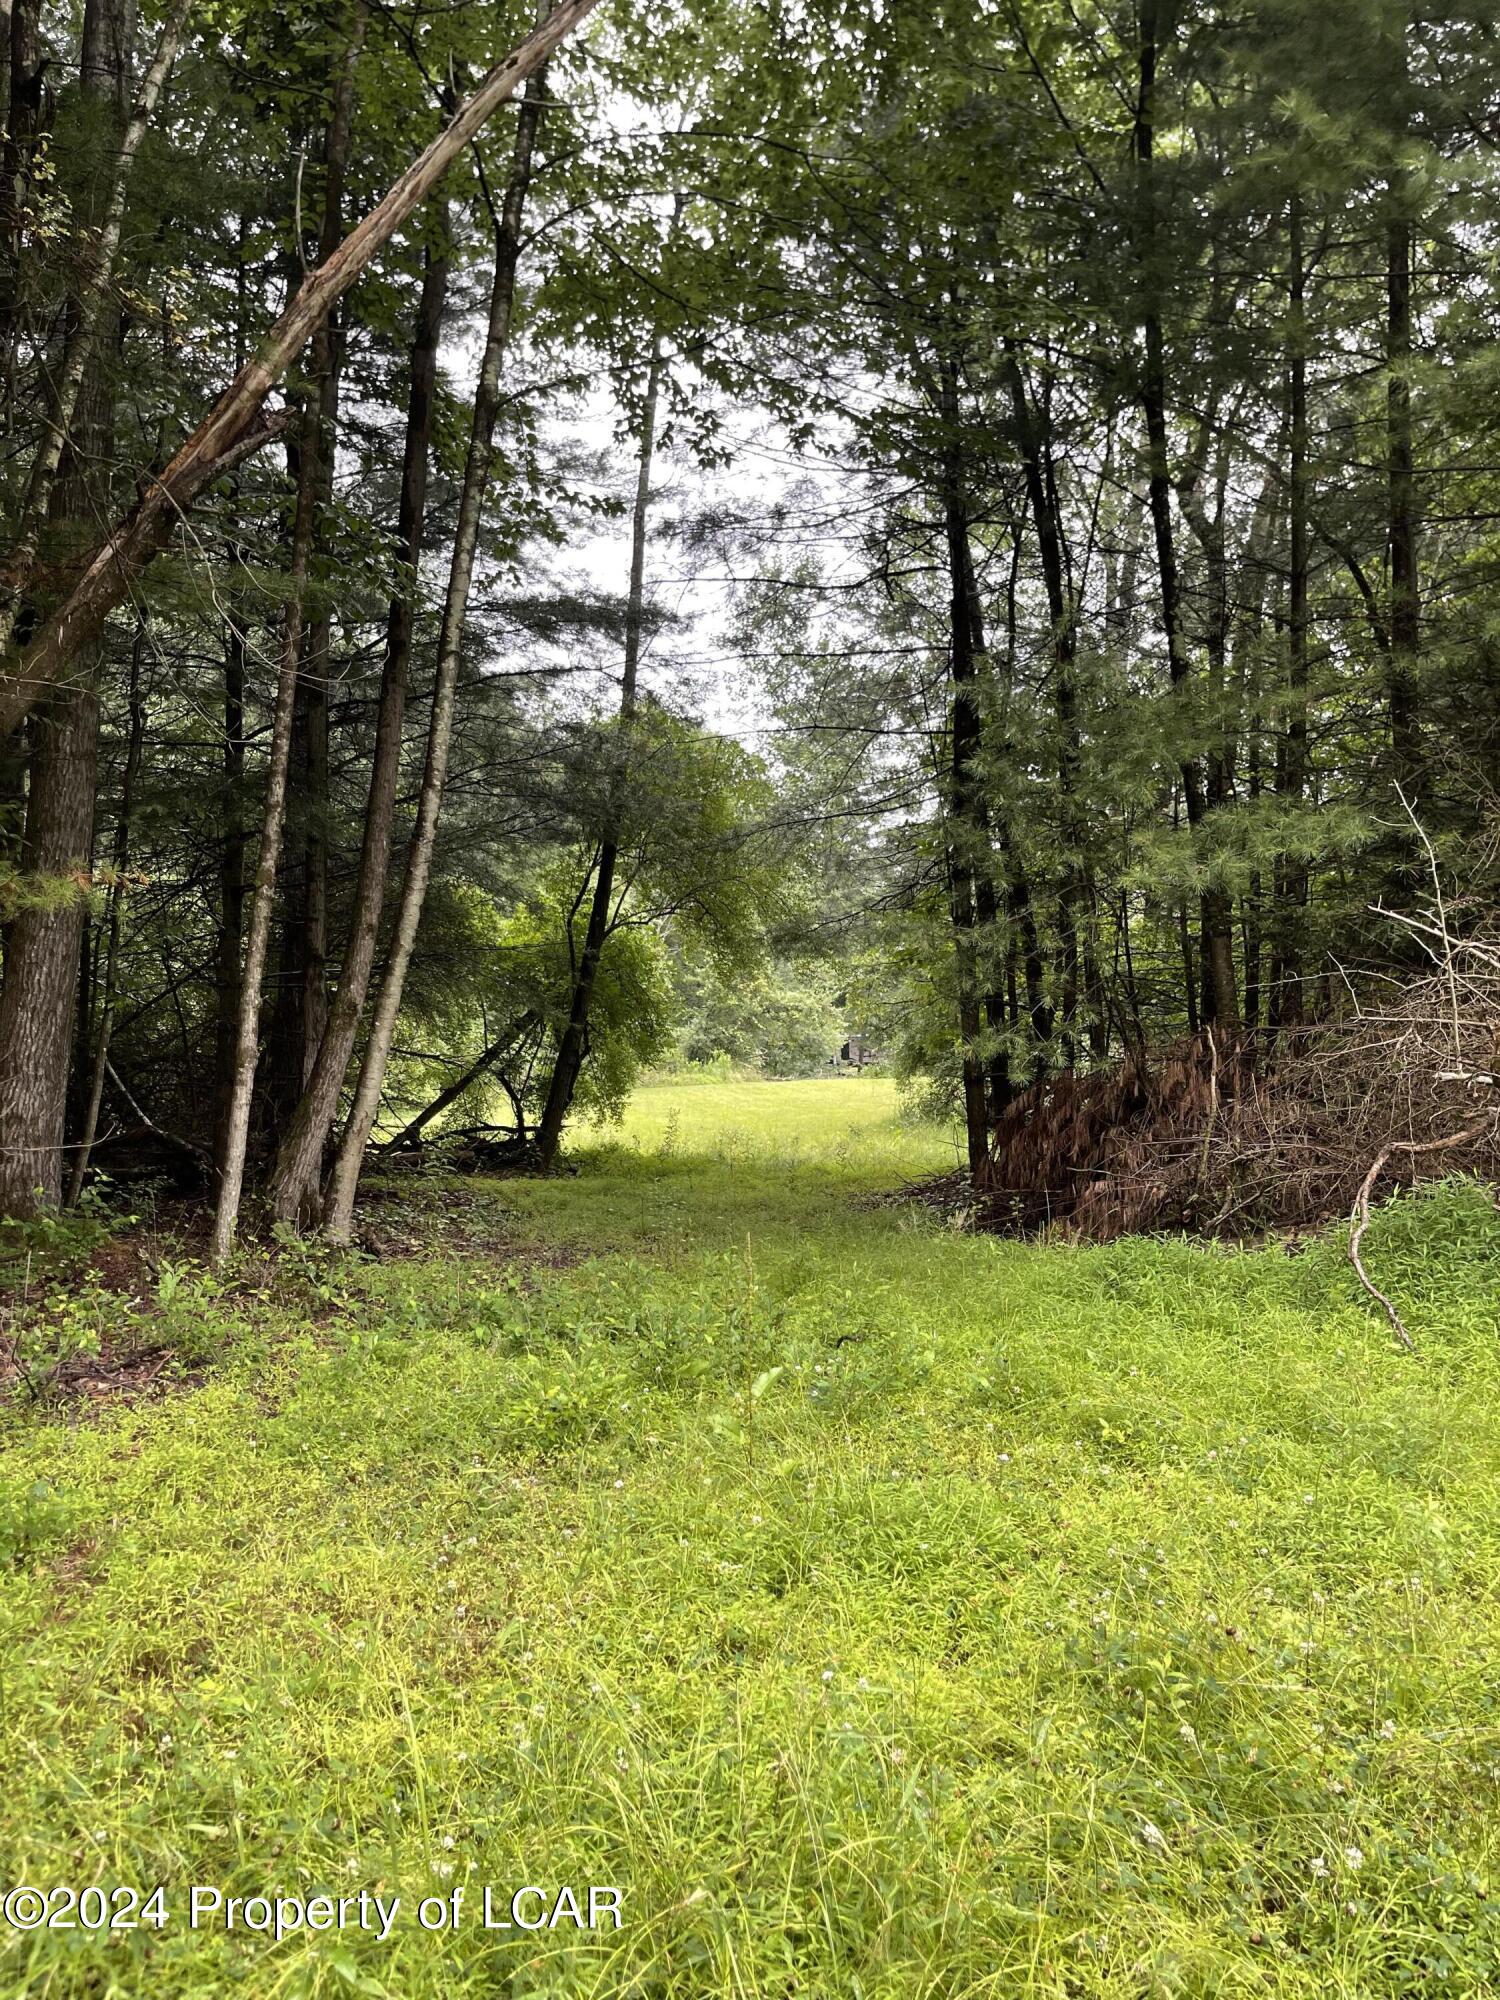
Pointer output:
886, 1612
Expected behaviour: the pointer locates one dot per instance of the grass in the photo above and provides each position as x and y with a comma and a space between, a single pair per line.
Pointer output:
848, 1123
887, 1613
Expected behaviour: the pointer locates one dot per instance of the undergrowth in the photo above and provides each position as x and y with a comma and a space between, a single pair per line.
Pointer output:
887, 1612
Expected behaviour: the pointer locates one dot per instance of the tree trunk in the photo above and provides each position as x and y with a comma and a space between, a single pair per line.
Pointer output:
273, 818
967, 829
231, 886
24, 102
1217, 913
574, 1044
41, 958
301, 1009
1288, 969
120, 863
344, 1181
1075, 894
229, 432
295, 1178
1406, 609
43, 948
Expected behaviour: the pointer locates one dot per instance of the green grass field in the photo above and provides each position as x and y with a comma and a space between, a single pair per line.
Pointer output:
844, 1122
886, 1613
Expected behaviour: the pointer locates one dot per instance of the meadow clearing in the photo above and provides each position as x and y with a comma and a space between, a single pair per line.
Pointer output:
884, 1612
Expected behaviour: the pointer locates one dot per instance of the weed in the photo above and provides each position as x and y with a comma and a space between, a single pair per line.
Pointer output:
886, 1612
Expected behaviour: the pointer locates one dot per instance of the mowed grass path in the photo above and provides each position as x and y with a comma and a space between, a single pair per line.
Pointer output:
885, 1612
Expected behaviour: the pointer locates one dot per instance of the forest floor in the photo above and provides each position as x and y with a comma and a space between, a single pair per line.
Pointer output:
884, 1612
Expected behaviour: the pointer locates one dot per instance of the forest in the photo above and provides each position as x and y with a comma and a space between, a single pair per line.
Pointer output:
749, 849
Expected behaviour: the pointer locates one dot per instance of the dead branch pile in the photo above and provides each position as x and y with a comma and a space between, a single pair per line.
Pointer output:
1239, 1141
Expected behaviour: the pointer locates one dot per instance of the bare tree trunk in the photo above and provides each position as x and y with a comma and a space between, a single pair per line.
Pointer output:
252, 976
296, 1175
344, 1181
231, 885
229, 432
301, 1010
574, 1043
120, 863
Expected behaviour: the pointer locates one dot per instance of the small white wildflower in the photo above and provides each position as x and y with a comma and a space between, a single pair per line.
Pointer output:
828, 1673
448, 1840
1188, 1734
1317, 1867
1354, 1856
619, 1483
1388, 1729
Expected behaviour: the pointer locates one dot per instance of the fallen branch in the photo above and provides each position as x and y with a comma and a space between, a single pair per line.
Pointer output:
149, 1124
1361, 1215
